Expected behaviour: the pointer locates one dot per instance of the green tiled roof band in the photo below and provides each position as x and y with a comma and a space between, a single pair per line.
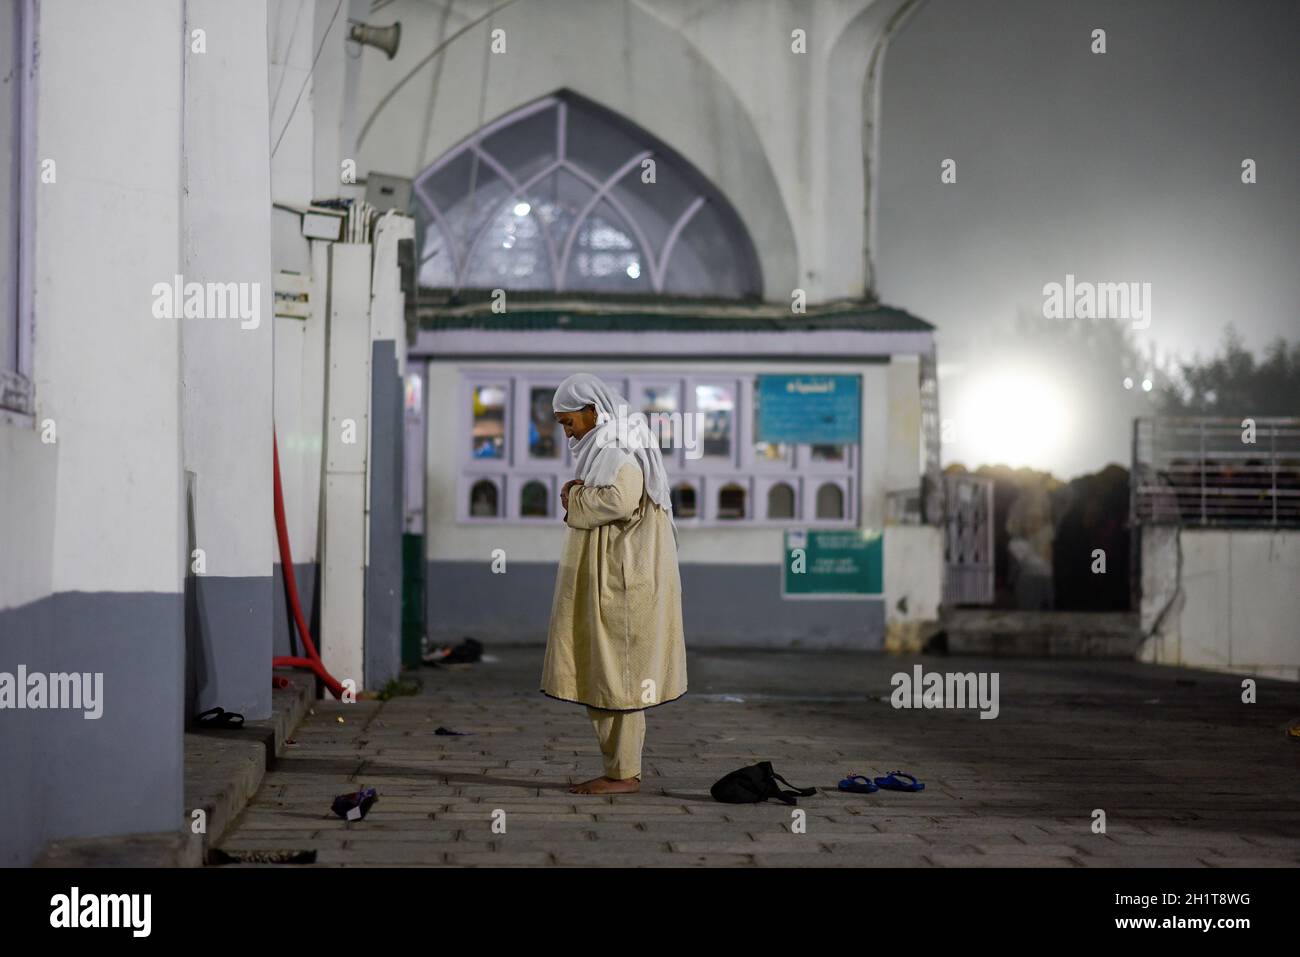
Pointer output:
882, 319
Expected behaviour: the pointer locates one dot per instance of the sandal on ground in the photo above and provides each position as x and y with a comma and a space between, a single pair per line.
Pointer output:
858, 784
894, 781
219, 718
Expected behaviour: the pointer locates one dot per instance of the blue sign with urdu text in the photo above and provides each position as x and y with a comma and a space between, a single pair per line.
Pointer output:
813, 409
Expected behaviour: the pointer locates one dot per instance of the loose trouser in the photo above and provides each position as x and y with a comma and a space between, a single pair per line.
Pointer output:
621, 735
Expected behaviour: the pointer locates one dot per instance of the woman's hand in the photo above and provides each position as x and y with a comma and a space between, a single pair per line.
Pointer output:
564, 492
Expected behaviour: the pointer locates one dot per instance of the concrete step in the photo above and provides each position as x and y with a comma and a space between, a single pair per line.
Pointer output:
1041, 634
223, 770
129, 850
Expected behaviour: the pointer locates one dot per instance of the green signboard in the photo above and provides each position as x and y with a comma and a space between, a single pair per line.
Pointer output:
848, 563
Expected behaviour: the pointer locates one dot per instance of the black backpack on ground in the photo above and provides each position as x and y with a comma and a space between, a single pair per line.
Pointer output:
754, 785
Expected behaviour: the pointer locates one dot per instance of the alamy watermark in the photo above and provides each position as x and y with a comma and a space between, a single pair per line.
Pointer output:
74, 691
179, 299
1098, 300
922, 689
634, 430
75, 909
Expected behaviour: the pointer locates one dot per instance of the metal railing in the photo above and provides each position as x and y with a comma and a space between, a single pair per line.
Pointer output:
968, 540
1216, 472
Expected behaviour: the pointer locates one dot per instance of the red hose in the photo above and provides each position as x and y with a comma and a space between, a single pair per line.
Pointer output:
312, 660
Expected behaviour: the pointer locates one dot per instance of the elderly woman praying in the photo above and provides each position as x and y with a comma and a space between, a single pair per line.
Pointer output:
615, 643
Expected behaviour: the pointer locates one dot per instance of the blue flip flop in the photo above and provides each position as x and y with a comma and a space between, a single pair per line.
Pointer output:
892, 782
858, 784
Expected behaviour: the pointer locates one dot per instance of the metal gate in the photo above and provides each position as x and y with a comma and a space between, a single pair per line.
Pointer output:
968, 540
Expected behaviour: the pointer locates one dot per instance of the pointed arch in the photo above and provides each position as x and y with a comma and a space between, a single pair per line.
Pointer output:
556, 196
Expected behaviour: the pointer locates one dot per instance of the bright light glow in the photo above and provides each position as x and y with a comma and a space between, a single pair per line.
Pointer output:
1017, 417
522, 209
634, 270
1146, 385
1128, 382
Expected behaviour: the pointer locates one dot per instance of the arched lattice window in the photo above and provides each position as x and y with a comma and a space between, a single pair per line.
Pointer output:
483, 500
554, 197
683, 499
830, 501
731, 501
780, 501
532, 500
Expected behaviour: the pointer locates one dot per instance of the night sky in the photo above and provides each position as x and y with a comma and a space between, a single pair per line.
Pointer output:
1115, 167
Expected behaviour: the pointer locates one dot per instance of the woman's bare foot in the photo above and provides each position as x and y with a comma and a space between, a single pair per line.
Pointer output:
607, 786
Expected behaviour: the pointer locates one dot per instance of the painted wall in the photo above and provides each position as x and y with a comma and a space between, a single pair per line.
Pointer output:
383, 627
913, 572
731, 574
1222, 600
723, 606
736, 604
159, 427
882, 467
299, 415
91, 554
311, 81
306, 132
226, 364
779, 133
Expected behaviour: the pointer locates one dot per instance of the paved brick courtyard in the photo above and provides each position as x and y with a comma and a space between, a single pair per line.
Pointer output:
1186, 773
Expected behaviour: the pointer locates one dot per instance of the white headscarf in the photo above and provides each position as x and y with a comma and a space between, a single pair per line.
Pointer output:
620, 436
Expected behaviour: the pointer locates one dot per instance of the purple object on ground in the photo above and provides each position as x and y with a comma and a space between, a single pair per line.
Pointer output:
353, 807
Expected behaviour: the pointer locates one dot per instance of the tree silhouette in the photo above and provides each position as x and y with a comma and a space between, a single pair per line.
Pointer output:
1234, 383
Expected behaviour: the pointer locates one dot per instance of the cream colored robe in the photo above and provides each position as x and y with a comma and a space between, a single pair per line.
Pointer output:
616, 640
